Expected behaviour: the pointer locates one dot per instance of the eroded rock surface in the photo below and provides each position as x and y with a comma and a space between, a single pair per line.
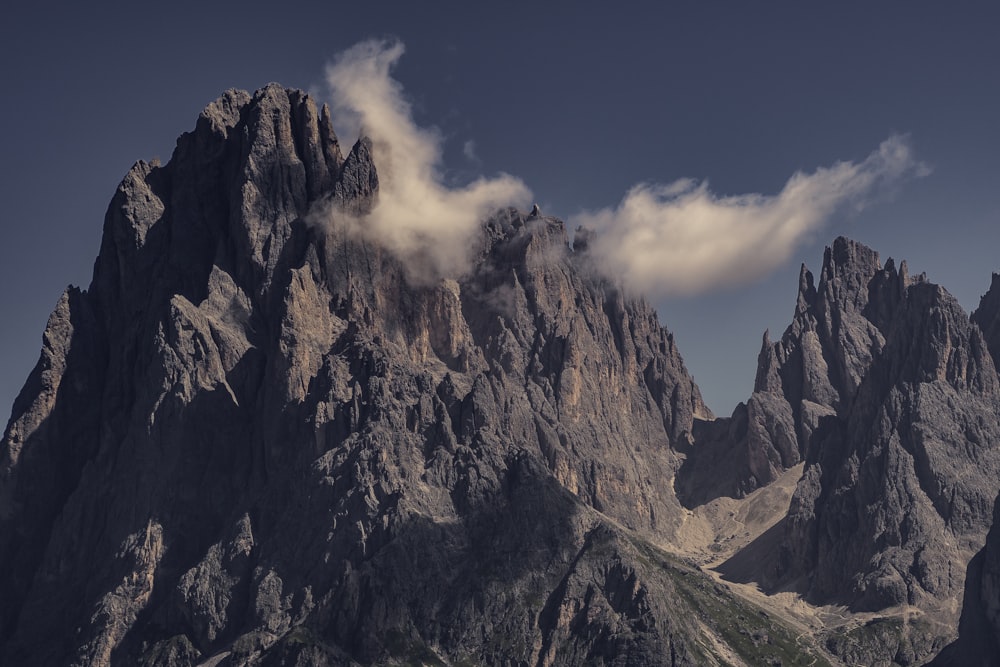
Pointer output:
898, 489
254, 441
888, 392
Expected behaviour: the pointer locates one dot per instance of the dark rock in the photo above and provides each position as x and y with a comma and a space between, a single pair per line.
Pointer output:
811, 373
901, 490
253, 440
893, 399
979, 630
887, 392
987, 316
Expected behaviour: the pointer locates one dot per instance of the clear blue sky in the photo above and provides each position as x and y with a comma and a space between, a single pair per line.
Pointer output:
579, 103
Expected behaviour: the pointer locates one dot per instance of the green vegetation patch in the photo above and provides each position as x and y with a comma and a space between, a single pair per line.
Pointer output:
750, 632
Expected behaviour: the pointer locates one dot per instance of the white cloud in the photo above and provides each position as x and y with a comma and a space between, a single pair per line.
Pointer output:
416, 214
681, 239
675, 239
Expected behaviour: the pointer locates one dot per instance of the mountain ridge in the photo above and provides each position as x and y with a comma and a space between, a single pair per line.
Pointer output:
255, 440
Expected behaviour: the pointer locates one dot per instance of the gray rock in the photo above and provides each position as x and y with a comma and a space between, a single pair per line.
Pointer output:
811, 373
253, 441
887, 391
906, 477
979, 630
894, 399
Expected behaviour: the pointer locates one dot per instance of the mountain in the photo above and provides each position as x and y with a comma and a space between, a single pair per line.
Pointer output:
979, 627
260, 437
885, 393
253, 437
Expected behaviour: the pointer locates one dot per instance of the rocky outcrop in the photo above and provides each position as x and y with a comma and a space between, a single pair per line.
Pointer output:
979, 630
898, 489
987, 316
987, 592
253, 441
888, 392
813, 372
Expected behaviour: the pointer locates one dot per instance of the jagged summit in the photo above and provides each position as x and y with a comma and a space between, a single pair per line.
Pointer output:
255, 440
253, 429
886, 392
987, 316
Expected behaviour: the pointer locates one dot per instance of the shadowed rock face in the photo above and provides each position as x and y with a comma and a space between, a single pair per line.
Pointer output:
987, 316
903, 462
255, 440
888, 392
979, 630
253, 437
898, 489
813, 372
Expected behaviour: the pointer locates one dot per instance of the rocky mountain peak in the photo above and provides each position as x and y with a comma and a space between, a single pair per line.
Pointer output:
987, 316
850, 261
257, 440
915, 418
223, 114
254, 428
803, 378
886, 392
807, 291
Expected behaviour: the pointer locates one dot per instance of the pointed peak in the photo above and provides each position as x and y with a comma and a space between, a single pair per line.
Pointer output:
272, 91
363, 145
224, 112
849, 264
357, 187
807, 289
849, 254
767, 366
806, 286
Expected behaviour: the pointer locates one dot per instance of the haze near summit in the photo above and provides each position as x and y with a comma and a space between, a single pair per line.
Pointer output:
669, 239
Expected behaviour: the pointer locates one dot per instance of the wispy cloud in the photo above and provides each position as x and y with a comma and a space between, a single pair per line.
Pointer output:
427, 223
469, 151
681, 239
675, 239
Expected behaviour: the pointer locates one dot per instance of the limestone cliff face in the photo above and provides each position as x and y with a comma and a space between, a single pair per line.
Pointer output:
811, 373
887, 391
256, 439
898, 490
987, 316
979, 630
253, 438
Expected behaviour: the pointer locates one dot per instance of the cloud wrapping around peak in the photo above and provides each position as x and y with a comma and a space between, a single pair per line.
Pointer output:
675, 239
681, 239
430, 225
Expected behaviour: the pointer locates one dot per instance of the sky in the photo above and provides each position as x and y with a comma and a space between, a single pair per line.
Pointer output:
716, 145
